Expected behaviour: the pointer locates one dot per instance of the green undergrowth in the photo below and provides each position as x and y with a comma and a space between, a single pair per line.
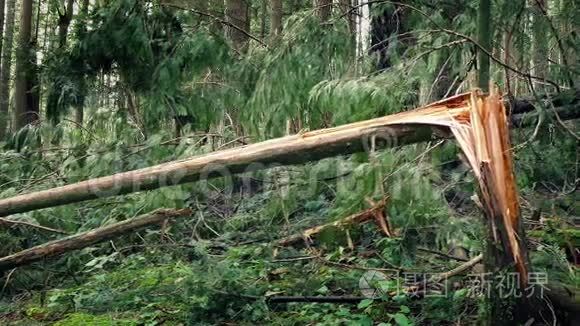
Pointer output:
220, 265
141, 289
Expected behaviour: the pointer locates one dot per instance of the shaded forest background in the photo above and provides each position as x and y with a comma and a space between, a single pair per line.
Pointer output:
92, 88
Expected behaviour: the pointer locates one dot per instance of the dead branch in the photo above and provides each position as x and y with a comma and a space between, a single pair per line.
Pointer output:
457, 270
5, 221
85, 239
374, 213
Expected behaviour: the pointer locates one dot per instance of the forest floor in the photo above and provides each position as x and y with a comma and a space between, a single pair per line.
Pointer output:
224, 266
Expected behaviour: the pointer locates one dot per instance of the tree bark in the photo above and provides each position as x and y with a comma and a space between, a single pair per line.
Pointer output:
276, 18
6, 67
2, 7
82, 30
323, 9
25, 101
64, 20
484, 38
85, 239
237, 14
386, 22
540, 31
349, 15
387, 131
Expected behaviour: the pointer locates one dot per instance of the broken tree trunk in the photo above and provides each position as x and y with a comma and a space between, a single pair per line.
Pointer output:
85, 239
394, 130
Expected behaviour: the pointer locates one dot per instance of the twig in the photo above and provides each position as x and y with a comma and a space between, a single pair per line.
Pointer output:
7, 280
219, 20
570, 131
293, 259
326, 299
558, 41
7, 221
457, 270
362, 268
442, 254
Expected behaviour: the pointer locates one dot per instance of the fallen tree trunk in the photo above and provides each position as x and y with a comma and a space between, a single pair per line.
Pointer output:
567, 98
394, 130
85, 239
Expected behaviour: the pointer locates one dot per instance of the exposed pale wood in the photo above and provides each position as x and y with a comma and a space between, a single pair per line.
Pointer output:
394, 130
391, 130
85, 239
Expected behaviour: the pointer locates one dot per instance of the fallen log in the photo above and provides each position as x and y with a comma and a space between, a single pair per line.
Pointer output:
85, 239
565, 99
395, 130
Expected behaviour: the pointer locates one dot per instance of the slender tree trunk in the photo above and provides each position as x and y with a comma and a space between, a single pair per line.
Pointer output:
64, 20
264, 10
276, 18
25, 108
540, 30
237, 14
386, 22
6, 67
323, 9
484, 38
347, 10
82, 30
201, 5
2, 114
2, 6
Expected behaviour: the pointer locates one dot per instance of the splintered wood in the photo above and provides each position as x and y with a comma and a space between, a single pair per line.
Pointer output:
479, 124
477, 121
485, 142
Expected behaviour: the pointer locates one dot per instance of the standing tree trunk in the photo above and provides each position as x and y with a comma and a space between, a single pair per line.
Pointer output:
499, 258
6, 67
264, 16
81, 31
323, 9
25, 101
201, 6
346, 9
387, 21
64, 20
3, 115
484, 37
540, 30
237, 14
276, 18
2, 5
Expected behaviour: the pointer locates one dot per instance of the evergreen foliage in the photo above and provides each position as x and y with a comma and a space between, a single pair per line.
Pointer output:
160, 80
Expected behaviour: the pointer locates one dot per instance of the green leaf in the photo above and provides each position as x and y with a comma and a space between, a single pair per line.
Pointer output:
365, 303
402, 320
405, 309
